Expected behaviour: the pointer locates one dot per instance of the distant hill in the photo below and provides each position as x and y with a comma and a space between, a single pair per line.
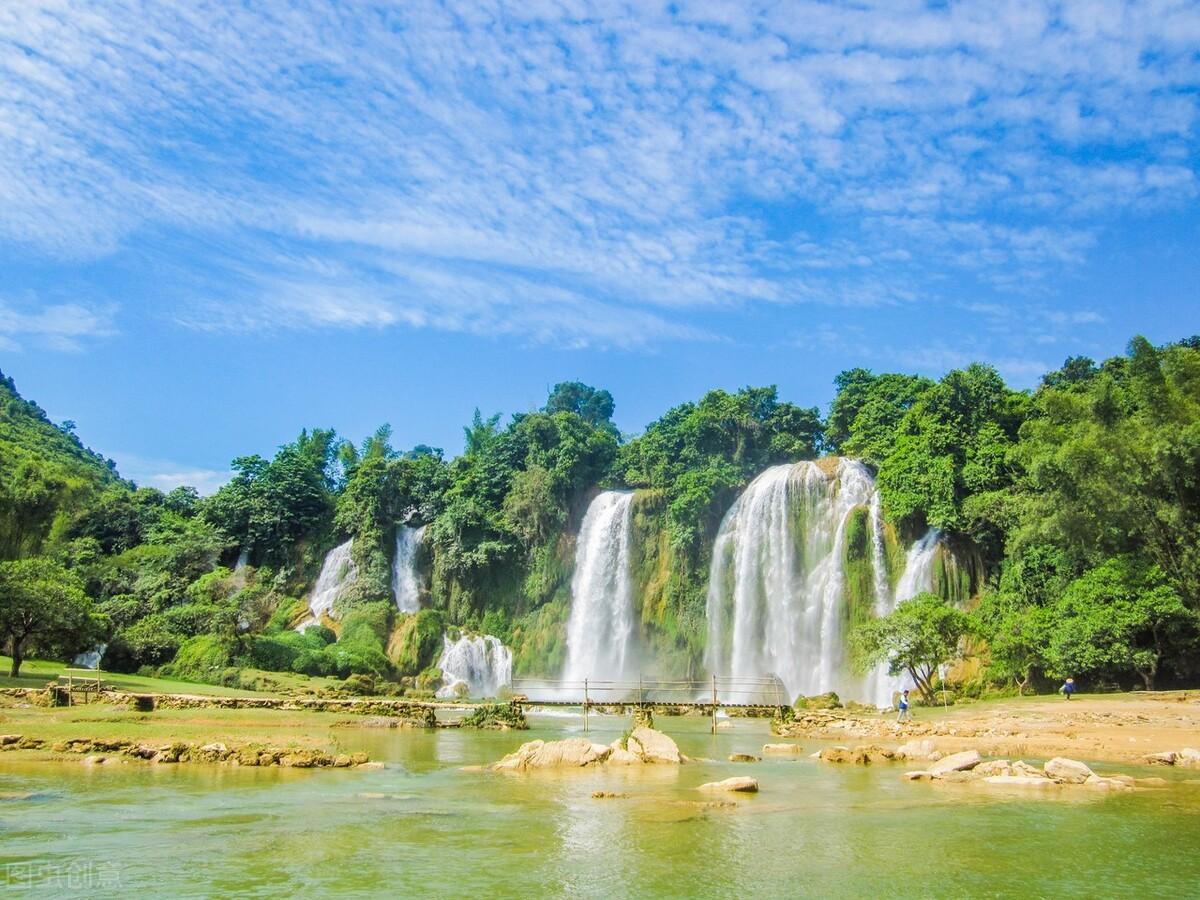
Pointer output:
46, 474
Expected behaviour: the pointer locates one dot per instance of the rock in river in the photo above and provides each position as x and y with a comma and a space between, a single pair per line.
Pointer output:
741, 783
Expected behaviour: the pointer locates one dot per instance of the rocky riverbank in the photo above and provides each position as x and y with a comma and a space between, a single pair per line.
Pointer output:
1127, 728
101, 751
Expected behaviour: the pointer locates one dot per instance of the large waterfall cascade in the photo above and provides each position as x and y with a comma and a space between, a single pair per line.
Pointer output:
777, 589
406, 583
477, 666
337, 572
601, 624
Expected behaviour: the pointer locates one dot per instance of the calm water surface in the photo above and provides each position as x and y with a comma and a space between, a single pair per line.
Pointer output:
423, 827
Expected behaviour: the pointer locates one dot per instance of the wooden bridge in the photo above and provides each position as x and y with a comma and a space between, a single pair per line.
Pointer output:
766, 693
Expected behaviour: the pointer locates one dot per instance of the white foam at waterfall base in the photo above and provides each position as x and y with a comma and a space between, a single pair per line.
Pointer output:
600, 626
477, 665
776, 598
916, 578
337, 572
406, 586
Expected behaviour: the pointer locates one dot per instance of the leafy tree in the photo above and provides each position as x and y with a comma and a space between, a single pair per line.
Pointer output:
43, 608
1118, 619
593, 406
917, 637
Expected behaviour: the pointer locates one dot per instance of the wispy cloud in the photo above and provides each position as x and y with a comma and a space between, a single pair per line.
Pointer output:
588, 173
58, 326
167, 474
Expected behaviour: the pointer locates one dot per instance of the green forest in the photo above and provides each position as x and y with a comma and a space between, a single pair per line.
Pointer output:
1074, 506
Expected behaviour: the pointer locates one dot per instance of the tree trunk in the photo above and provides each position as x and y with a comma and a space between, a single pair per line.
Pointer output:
17, 658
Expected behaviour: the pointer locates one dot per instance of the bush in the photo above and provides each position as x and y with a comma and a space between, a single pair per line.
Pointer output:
148, 642
200, 657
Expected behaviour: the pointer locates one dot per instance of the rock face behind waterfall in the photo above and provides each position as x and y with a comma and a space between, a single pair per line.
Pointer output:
800, 557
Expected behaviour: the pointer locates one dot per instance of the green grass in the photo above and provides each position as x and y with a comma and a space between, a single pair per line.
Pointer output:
35, 673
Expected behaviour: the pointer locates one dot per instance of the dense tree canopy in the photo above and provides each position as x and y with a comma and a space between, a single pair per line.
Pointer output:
1075, 506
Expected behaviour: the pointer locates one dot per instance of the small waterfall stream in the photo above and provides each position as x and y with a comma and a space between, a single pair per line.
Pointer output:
600, 626
406, 585
916, 578
479, 665
337, 572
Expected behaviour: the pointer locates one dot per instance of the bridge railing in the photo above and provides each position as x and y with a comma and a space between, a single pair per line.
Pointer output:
720, 690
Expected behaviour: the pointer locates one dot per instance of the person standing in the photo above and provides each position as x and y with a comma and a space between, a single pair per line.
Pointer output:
903, 714
1068, 688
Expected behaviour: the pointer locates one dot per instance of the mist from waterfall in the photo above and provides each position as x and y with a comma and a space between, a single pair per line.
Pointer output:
600, 626
337, 572
474, 666
775, 599
406, 585
916, 578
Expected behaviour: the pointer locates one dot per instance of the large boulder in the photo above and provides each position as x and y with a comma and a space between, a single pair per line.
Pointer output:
619, 756
1188, 756
956, 762
741, 783
567, 754
922, 749
653, 746
1068, 771
993, 767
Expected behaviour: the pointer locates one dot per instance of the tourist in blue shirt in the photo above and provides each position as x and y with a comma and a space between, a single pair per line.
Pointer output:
1068, 688
903, 715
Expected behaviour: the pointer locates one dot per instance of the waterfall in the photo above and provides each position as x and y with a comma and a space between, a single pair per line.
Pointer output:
406, 586
916, 578
600, 627
90, 659
775, 599
337, 572
480, 665
243, 560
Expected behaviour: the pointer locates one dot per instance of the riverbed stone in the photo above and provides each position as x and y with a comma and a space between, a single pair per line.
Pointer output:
956, 762
1165, 758
653, 746
918, 776
619, 756
539, 754
1100, 782
741, 783
1069, 771
743, 758
1019, 781
782, 749
1188, 756
918, 749
993, 767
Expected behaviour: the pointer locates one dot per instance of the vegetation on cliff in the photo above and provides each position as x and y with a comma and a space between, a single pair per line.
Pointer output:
1070, 512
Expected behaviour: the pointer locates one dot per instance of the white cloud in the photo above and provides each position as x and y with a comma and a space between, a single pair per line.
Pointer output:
578, 172
166, 474
58, 326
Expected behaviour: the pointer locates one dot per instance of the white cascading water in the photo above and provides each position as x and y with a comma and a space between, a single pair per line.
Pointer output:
480, 665
337, 572
406, 586
916, 578
775, 598
243, 560
90, 659
600, 627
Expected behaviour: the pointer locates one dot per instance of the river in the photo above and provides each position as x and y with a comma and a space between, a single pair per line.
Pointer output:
425, 827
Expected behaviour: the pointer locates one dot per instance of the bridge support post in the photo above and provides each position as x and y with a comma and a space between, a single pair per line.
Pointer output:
585, 706
714, 706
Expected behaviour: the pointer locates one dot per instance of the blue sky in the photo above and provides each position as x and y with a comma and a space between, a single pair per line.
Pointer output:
220, 224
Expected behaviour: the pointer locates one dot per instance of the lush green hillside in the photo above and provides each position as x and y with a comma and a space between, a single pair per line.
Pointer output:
1070, 516
47, 476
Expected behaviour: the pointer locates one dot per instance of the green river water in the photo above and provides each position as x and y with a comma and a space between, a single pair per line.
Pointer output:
424, 827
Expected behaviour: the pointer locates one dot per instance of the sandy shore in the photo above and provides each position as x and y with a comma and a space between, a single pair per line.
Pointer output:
1102, 727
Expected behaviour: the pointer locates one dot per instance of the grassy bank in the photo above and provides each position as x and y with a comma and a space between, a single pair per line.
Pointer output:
35, 673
